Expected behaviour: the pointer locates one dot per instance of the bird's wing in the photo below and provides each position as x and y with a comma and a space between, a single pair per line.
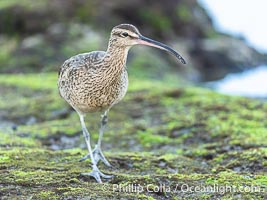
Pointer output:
86, 62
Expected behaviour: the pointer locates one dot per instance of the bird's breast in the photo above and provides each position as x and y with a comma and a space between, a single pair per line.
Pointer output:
93, 92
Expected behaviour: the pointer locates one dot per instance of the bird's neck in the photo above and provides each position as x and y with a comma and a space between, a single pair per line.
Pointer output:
116, 57
115, 65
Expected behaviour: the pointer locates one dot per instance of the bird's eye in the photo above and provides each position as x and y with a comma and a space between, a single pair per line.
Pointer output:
125, 34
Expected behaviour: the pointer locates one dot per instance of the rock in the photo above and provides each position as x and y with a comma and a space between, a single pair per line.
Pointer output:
215, 57
80, 26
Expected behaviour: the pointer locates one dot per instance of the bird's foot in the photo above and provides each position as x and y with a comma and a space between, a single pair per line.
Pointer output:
97, 174
85, 157
98, 155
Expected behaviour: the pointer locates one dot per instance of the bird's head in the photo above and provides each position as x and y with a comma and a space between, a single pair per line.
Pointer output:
127, 35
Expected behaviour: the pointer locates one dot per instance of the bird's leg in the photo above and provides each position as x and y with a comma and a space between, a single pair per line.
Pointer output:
97, 152
95, 172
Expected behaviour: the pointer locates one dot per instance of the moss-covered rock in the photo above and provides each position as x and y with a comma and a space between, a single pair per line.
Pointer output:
164, 142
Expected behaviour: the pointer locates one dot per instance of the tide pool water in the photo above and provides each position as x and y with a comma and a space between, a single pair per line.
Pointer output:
251, 83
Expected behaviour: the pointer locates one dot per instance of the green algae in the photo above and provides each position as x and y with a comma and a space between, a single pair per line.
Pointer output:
12, 139
156, 136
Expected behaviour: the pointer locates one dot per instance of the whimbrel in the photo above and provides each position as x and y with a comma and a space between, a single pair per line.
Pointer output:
97, 80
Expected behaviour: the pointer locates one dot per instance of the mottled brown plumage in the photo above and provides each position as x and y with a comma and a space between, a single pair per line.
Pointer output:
96, 81
89, 85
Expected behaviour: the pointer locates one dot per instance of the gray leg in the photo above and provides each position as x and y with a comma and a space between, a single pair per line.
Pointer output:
95, 172
97, 152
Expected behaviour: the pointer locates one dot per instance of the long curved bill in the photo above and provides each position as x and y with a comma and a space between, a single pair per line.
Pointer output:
149, 42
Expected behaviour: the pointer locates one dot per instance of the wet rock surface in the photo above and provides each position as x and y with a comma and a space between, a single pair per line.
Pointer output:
160, 141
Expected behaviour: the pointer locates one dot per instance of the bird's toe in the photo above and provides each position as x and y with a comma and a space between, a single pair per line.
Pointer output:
98, 155
97, 174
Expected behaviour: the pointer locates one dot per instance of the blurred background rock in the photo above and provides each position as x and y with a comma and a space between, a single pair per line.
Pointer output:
37, 36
